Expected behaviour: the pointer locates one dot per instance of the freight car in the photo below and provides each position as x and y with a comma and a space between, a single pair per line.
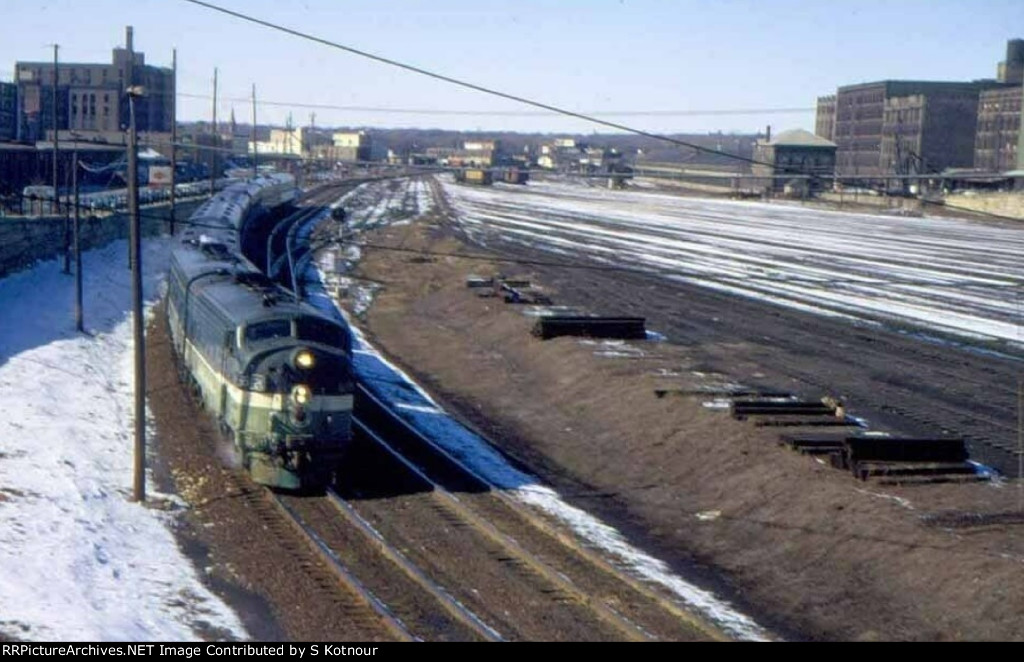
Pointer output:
516, 175
477, 176
275, 373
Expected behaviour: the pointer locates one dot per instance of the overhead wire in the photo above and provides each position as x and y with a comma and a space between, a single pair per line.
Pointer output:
531, 102
466, 84
500, 113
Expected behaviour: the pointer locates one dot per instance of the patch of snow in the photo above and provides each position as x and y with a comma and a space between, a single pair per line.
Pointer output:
78, 560
942, 274
891, 497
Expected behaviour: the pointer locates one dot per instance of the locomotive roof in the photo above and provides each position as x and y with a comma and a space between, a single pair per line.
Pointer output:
241, 292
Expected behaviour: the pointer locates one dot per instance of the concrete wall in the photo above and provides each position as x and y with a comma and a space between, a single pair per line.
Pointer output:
907, 205
23, 242
1004, 204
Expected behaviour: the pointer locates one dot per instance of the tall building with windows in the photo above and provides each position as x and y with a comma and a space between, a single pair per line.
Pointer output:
91, 97
825, 120
998, 139
8, 111
999, 143
908, 127
935, 120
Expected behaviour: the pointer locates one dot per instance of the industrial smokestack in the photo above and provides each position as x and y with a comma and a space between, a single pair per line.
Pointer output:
768, 133
128, 39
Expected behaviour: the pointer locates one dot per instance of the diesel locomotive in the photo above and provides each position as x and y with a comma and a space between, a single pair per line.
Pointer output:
274, 372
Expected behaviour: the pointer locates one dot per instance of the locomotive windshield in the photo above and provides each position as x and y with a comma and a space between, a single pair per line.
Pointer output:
309, 329
268, 330
312, 329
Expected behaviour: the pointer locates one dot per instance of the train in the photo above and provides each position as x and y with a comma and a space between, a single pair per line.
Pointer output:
274, 372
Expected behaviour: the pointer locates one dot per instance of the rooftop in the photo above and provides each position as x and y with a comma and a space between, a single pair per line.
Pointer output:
800, 138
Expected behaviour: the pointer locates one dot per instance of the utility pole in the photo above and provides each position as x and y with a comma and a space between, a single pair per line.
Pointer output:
56, 148
174, 136
139, 483
67, 217
213, 157
129, 45
255, 152
78, 243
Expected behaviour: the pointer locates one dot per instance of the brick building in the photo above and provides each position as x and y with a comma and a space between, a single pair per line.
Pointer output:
825, 119
928, 132
997, 143
8, 111
906, 127
350, 146
91, 97
940, 120
795, 156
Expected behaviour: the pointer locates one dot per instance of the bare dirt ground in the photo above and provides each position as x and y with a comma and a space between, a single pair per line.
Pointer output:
805, 548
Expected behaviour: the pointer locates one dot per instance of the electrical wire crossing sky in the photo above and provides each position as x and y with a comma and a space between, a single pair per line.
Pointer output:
686, 66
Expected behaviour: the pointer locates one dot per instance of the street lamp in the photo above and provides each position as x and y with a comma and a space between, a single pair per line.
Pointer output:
139, 485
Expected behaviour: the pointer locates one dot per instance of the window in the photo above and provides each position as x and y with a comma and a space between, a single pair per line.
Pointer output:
268, 330
321, 331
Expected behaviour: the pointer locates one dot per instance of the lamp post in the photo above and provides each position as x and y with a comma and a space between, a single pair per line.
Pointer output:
139, 484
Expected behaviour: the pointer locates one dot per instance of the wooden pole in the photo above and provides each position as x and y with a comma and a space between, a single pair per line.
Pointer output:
79, 325
174, 137
213, 152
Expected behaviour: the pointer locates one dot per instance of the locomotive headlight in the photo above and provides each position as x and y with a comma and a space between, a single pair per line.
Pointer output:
301, 394
304, 359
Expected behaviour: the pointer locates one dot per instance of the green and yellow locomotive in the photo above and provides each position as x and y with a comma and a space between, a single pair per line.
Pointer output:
275, 373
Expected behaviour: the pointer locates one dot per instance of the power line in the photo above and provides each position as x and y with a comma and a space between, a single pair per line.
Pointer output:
472, 86
537, 104
508, 113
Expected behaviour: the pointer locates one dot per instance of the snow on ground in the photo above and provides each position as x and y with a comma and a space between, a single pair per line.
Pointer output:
78, 560
948, 275
369, 206
419, 409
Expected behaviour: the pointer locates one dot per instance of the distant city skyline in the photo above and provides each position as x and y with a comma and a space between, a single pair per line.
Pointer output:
664, 62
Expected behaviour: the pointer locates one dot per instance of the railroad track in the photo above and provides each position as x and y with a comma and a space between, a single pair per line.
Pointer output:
439, 554
309, 554
281, 256
546, 584
910, 384
405, 602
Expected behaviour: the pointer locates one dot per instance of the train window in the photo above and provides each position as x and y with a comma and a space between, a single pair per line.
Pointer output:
268, 330
321, 331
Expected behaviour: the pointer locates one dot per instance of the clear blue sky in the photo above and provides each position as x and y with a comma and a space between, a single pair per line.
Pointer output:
585, 55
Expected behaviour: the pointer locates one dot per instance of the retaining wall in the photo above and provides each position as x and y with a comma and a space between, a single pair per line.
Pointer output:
25, 241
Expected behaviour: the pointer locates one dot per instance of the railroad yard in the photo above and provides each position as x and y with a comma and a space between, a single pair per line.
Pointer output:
712, 479
805, 548
320, 335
